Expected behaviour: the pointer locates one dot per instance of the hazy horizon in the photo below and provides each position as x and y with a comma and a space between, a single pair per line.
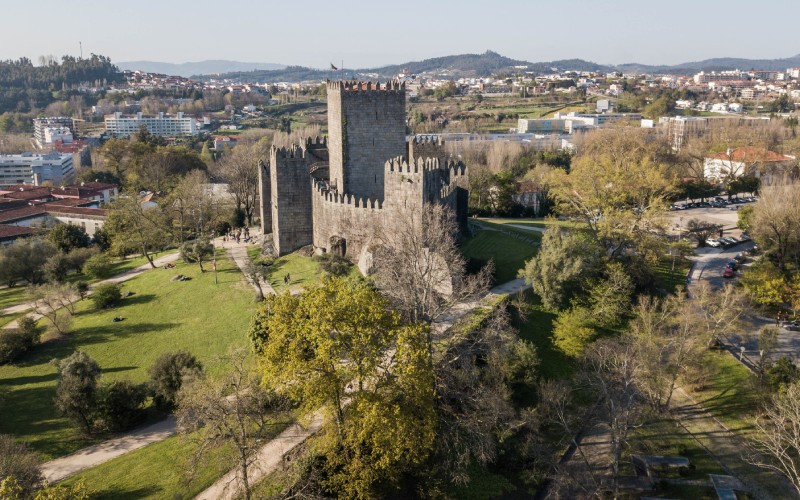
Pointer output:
376, 34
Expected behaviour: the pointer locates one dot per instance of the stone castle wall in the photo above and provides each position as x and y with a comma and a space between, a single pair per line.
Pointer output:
264, 194
290, 199
366, 127
426, 147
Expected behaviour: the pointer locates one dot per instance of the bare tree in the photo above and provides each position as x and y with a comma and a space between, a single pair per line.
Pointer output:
719, 311
420, 267
776, 222
610, 369
233, 411
239, 169
56, 303
778, 434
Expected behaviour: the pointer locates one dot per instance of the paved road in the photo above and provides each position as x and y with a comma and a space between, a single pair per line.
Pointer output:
92, 456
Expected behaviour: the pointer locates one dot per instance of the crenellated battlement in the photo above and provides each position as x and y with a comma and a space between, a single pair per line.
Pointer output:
294, 152
399, 165
323, 192
428, 139
316, 142
353, 86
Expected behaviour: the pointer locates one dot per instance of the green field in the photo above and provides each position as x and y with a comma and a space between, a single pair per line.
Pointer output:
301, 270
161, 316
729, 393
155, 471
508, 253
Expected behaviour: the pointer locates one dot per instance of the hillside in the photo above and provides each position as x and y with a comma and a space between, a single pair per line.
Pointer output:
492, 63
194, 68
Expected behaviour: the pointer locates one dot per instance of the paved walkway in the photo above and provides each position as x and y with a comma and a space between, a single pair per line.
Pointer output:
230, 486
120, 278
268, 459
238, 253
727, 448
92, 456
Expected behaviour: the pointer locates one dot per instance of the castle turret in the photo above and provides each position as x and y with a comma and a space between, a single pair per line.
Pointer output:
366, 127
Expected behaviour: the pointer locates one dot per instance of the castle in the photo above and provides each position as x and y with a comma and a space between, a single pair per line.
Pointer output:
331, 192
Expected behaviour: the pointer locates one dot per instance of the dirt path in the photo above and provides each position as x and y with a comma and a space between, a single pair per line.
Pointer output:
92, 456
727, 448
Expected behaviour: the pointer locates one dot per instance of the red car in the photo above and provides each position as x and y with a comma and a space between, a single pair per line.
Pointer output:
729, 273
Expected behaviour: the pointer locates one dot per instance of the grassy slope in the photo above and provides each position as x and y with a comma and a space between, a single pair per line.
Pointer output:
155, 471
302, 270
161, 316
509, 254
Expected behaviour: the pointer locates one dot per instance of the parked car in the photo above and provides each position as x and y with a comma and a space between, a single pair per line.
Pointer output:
792, 326
739, 257
733, 264
744, 237
713, 242
728, 273
734, 207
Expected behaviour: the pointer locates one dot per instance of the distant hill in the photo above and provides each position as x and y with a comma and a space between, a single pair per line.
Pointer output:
492, 63
195, 68
717, 64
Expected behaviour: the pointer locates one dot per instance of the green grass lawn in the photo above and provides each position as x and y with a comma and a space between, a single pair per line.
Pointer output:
301, 270
672, 279
508, 253
537, 328
730, 393
155, 471
162, 316
661, 436
12, 296
542, 223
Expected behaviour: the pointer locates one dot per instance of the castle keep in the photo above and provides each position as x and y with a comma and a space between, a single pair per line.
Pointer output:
332, 192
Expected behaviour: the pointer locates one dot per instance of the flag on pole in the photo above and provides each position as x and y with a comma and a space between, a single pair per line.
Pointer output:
334, 68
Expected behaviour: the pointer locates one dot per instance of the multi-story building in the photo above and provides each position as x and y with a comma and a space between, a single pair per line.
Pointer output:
41, 124
721, 76
679, 128
30, 168
162, 125
57, 134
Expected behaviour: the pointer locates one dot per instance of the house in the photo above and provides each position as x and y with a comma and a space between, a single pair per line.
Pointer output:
750, 160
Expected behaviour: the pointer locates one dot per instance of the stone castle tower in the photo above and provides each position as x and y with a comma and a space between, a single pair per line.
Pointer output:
329, 192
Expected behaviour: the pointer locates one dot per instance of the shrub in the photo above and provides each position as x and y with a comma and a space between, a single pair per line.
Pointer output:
57, 267
166, 376
98, 266
16, 342
782, 373
334, 264
78, 257
76, 389
83, 288
572, 330
68, 236
19, 462
106, 295
120, 405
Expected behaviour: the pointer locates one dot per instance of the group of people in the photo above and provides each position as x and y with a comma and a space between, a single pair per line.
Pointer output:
237, 235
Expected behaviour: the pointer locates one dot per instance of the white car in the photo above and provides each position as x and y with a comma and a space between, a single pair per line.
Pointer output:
714, 243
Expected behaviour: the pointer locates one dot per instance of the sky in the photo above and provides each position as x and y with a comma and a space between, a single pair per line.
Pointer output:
374, 33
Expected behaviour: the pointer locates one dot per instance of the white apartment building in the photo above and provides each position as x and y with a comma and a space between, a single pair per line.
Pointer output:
722, 76
162, 125
30, 168
40, 125
53, 134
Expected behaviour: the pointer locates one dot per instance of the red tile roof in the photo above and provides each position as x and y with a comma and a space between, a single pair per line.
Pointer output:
11, 232
751, 154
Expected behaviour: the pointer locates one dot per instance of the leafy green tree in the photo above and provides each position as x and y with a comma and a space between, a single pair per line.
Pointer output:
197, 251
66, 237
24, 260
610, 297
17, 341
565, 259
702, 230
104, 176
120, 405
98, 266
101, 239
136, 228
745, 220
76, 389
167, 374
339, 342
573, 329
